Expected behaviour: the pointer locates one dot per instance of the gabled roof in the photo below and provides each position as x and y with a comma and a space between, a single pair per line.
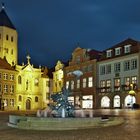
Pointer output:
4, 20
5, 65
125, 42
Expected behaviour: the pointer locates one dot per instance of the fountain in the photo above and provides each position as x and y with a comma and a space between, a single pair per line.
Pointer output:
60, 115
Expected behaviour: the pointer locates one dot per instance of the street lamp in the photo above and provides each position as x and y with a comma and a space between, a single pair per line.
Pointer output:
132, 93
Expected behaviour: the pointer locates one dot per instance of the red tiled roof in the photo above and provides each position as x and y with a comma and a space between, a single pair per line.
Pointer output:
5, 65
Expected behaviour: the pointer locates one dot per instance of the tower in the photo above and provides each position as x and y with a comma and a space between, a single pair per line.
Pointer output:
8, 38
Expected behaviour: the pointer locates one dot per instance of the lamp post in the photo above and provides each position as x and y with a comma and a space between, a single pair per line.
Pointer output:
132, 93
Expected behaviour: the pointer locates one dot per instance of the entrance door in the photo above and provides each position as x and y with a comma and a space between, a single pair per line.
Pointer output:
105, 102
117, 101
28, 104
129, 101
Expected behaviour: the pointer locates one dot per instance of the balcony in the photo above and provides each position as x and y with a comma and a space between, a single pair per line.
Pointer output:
104, 89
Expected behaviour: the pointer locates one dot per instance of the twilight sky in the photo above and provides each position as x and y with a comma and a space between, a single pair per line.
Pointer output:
50, 29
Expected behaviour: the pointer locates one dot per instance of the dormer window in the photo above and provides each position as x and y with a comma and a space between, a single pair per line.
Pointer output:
108, 53
117, 51
127, 48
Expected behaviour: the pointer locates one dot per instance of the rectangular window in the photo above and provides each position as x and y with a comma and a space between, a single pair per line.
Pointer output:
90, 82
85, 69
84, 82
11, 77
11, 88
134, 64
127, 65
12, 102
7, 37
5, 76
102, 86
108, 69
90, 68
134, 80
12, 38
72, 84
78, 83
5, 89
5, 102
127, 81
102, 70
127, 48
117, 67
117, 85
67, 84
78, 59
108, 85
117, 51
108, 53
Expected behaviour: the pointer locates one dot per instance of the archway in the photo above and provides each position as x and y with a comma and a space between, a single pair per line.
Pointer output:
117, 101
129, 100
28, 104
105, 102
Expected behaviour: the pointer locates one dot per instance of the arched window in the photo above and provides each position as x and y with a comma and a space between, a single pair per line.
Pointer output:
19, 79
105, 102
36, 99
117, 101
20, 98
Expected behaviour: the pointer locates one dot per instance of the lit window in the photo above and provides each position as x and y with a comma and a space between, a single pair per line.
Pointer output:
84, 82
5, 102
5, 88
117, 83
127, 81
36, 99
134, 64
117, 51
19, 79
127, 48
90, 81
67, 84
36, 82
108, 83
78, 83
108, 53
102, 85
5, 76
134, 80
72, 84
11, 88
11, 77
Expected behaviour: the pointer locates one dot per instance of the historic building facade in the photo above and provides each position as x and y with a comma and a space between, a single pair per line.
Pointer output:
58, 77
80, 78
22, 87
118, 74
32, 87
8, 39
7, 86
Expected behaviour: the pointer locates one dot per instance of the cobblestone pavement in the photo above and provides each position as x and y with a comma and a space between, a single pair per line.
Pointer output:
130, 130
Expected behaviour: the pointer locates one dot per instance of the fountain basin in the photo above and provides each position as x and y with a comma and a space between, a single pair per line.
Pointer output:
35, 123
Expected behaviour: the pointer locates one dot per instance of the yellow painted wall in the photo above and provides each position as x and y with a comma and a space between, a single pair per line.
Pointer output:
8, 44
